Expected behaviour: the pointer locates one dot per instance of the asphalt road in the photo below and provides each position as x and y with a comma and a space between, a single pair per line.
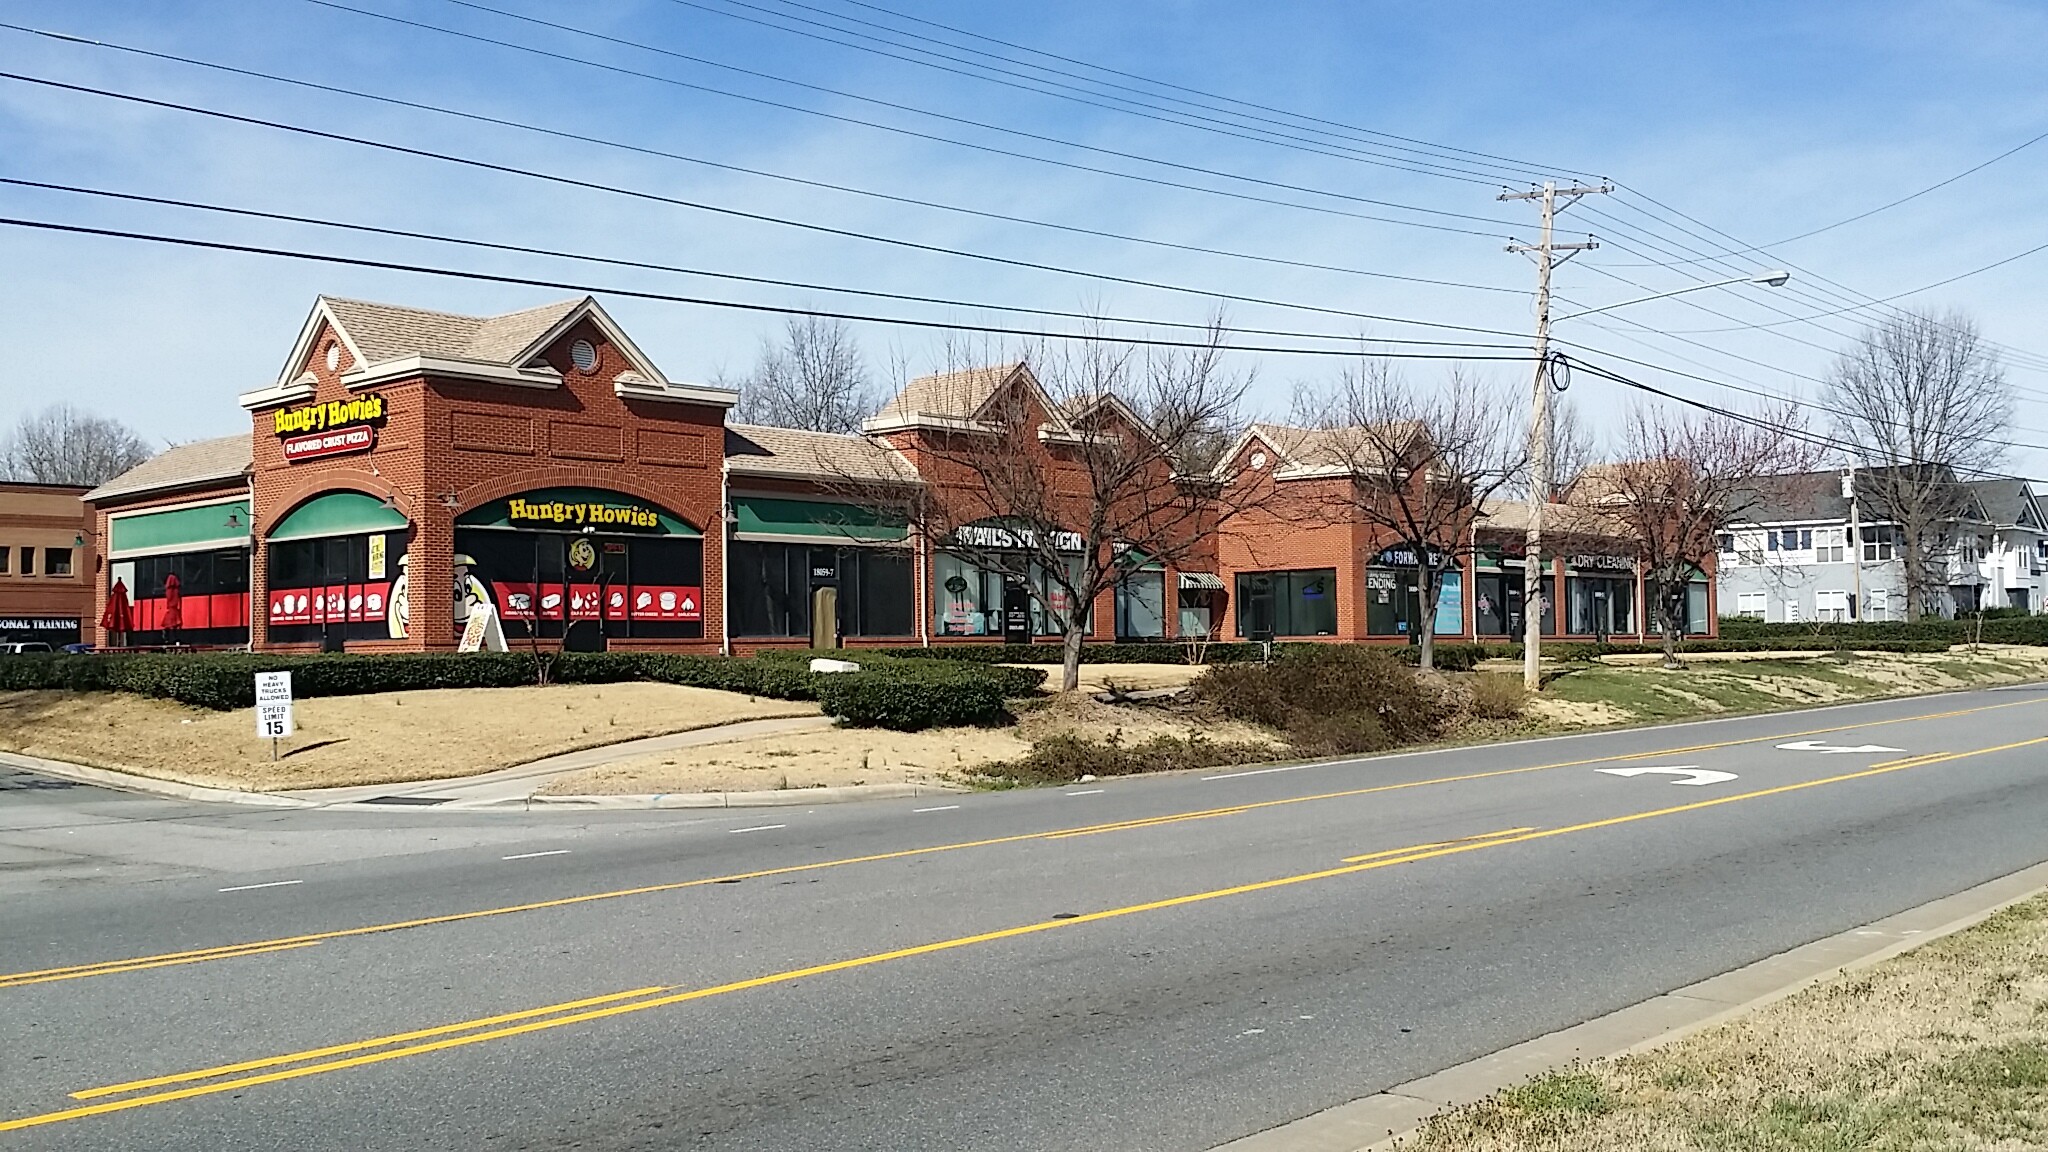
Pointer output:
1164, 963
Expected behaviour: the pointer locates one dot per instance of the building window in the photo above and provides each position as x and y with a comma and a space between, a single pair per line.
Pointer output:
772, 588
970, 598
1141, 606
56, 561
213, 595
28, 561
1829, 605
1878, 542
1828, 547
588, 586
1295, 603
6, 555
1601, 605
321, 589
1750, 604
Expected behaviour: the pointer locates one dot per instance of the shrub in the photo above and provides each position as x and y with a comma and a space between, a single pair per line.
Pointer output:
913, 695
1329, 699
1462, 657
888, 692
1064, 759
1497, 696
1164, 652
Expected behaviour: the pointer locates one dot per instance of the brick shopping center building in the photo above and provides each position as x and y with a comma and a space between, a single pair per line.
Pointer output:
406, 465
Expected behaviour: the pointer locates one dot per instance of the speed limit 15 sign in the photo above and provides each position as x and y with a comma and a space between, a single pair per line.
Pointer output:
273, 705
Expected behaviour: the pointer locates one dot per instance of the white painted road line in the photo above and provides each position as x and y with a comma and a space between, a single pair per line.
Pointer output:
1084, 792
940, 808
531, 855
758, 828
1267, 771
253, 887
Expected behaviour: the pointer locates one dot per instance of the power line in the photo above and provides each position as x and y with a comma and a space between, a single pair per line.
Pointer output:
1220, 174
1522, 165
703, 301
1171, 116
1884, 299
573, 182
525, 250
562, 134
1938, 185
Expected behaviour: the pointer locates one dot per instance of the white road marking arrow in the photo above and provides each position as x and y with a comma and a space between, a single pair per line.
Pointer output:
1699, 776
1834, 749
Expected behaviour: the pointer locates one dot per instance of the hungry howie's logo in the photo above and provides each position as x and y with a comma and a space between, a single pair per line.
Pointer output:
365, 409
572, 514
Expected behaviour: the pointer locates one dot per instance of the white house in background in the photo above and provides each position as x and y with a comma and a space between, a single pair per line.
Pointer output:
1797, 557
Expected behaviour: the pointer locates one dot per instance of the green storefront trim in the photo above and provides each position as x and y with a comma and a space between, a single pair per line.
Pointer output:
498, 513
180, 529
824, 519
338, 514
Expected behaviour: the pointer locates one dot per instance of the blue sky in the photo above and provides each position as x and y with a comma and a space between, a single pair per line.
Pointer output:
1760, 119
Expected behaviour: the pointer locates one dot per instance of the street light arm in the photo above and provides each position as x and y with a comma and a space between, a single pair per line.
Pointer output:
1769, 279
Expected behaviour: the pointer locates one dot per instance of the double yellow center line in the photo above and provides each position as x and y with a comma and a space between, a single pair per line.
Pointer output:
312, 1062
287, 943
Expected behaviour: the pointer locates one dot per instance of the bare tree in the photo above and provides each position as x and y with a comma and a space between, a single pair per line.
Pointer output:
815, 378
1683, 479
1923, 401
66, 445
1420, 464
1072, 472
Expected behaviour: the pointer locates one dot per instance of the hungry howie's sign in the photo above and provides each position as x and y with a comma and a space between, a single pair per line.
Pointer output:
338, 427
580, 514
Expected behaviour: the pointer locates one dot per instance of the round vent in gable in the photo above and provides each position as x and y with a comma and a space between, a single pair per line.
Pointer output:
333, 357
583, 354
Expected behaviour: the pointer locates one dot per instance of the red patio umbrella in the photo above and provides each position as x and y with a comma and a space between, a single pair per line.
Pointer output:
119, 618
174, 612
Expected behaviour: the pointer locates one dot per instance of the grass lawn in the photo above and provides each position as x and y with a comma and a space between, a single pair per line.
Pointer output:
1943, 1049
346, 740
1638, 693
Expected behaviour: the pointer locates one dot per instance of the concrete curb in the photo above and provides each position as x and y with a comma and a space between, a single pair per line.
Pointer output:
781, 797
149, 785
1387, 1120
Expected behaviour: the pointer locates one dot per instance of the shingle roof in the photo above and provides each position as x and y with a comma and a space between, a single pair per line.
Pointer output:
200, 462
2003, 500
383, 332
759, 450
1513, 516
956, 395
1345, 448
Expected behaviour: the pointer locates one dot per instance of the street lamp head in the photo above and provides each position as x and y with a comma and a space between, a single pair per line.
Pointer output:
1776, 279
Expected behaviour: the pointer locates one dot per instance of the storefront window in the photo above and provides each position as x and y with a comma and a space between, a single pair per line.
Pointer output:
1141, 606
325, 589
585, 587
213, 595
970, 598
771, 588
1302, 602
1601, 605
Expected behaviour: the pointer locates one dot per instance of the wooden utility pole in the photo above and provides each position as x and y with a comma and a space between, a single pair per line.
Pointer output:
1540, 479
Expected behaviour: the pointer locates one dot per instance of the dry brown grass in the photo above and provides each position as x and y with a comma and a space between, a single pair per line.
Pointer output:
348, 740
1944, 1049
876, 756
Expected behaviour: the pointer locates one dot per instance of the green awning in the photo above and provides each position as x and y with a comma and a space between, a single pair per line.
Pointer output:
224, 523
574, 509
824, 519
338, 514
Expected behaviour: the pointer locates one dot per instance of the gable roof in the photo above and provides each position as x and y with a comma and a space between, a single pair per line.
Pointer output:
1796, 497
1306, 452
2008, 502
951, 396
761, 450
183, 466
390, 340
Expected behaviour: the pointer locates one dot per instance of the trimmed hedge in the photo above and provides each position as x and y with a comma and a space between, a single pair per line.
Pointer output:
1586, 652
888, 691
1996, 630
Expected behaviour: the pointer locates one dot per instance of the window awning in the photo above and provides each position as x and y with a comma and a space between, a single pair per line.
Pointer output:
338, 514
758, 516
1201, 581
